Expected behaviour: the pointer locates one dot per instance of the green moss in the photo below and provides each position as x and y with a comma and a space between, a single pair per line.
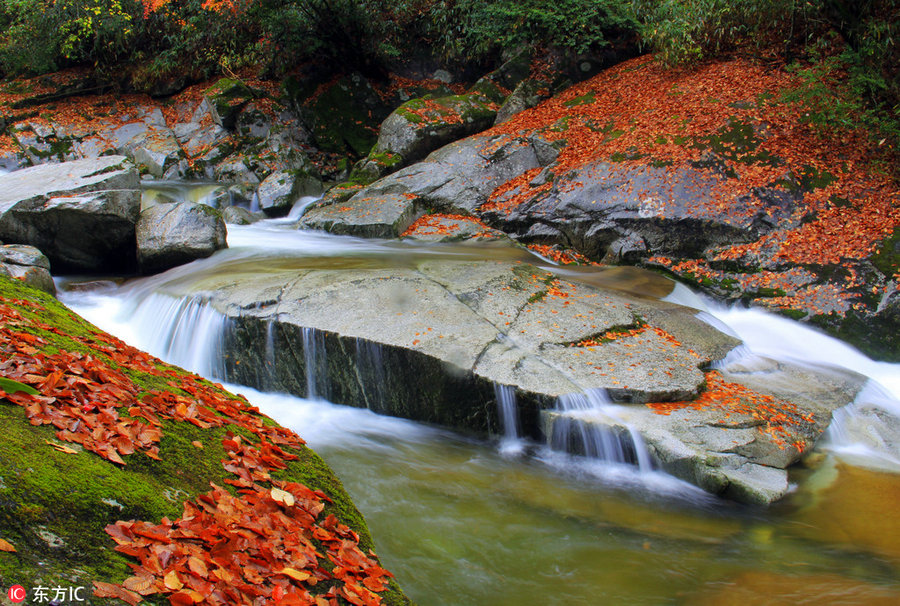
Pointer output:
584, 99
387, 158
561, 125
613, 332
624, 156
375, 166
538, 296
876, 336
487, 89
811, 178
793, 314
70, 496
769, 292
887, 259
737, 142
406, 111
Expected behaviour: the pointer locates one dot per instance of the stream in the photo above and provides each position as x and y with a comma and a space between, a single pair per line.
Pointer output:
466, 521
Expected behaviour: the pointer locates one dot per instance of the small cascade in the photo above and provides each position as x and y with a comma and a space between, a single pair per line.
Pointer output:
187, 332
587, 423
208, 194
867, 431
314, 357
301, 205
370, 371
269, 378
508, 413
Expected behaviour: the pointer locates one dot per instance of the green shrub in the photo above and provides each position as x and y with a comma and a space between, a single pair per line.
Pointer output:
474, 28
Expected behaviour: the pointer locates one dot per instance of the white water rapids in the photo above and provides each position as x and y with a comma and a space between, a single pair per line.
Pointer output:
188, 333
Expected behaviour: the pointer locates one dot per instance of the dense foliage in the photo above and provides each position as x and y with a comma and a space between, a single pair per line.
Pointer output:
848, 51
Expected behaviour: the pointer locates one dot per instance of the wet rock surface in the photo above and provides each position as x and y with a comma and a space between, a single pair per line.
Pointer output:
431, 342
174, 234
81, 214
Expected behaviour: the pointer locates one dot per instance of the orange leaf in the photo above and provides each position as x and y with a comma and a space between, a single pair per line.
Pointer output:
6, 546
198, 566
140, 584
173, 581
185, 598
295, 574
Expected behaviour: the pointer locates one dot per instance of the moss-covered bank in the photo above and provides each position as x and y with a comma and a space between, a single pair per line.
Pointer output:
57, 497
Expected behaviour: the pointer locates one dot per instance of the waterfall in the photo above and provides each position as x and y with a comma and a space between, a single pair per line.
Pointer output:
270, 378
867, 429
301, 205
587, 423
370, 373
314, 358
186, 331
508, 413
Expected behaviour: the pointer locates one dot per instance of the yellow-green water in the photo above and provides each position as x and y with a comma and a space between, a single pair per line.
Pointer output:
459, 523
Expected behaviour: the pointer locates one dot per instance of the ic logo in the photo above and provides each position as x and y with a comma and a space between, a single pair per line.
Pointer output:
17, 594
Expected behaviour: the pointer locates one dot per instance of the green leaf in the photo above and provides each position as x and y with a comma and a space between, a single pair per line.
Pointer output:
10, 386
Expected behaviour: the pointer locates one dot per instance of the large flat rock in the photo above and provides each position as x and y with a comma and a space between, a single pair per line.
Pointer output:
433, 339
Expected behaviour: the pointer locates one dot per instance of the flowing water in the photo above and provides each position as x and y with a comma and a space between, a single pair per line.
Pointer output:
463, 521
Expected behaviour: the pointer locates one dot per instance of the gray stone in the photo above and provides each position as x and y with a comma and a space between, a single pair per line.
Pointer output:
458, 328
384, 216
158, 152
442, 228
24, 255
237, 215
442, 75
280, 190
28, 264
11, 160
642, 210
148, 142
41, 143
81, 214
253, 123
173, 234
234, 169
527, 94
198, 138
459, 177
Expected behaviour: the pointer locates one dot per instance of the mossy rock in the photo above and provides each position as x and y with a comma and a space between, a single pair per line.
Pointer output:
875, 334
342, 116
229, 96
421, 126
887, 257
56, 498
375, 166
